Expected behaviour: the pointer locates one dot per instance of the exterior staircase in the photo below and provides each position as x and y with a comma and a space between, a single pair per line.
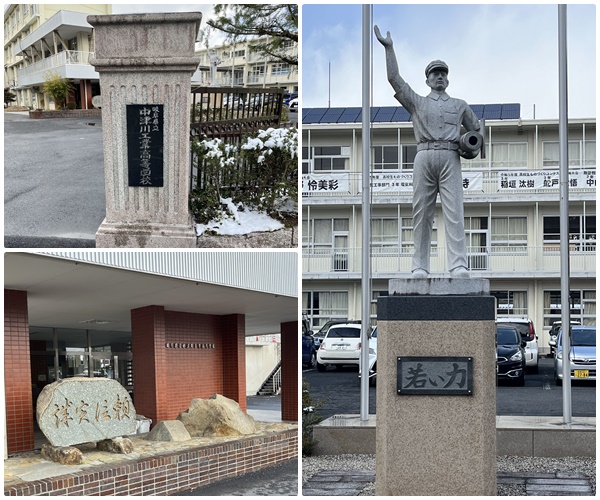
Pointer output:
272, 385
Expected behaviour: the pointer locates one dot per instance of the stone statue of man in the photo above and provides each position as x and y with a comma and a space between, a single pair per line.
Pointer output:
437, 120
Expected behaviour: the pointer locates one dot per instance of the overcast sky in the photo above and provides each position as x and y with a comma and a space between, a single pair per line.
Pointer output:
496, 54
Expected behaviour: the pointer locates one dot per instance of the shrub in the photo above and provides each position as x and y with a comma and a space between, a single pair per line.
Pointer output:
59, 88
310, 418
259, 173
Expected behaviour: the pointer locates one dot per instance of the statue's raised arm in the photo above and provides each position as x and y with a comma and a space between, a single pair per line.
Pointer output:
390, 56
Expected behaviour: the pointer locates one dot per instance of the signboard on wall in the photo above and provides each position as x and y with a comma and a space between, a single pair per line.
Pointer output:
545, 179
145, 149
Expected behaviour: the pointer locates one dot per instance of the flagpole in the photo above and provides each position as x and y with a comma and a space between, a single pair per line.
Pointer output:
563, 138
366, 212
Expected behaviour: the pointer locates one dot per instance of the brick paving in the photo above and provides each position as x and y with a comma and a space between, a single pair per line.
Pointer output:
549, 483
351, 483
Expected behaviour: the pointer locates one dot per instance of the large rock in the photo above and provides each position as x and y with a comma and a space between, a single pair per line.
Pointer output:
169, 430
64, 455
81, 410
217, 416
116, 445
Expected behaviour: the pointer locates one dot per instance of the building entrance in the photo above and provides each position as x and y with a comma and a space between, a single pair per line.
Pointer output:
59, 353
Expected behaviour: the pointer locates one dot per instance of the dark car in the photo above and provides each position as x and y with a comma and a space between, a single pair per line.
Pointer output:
288, 96
309, 353
510, 355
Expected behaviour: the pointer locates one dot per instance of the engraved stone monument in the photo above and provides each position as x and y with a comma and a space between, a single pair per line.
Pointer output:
145, 62
436, 389
82, 410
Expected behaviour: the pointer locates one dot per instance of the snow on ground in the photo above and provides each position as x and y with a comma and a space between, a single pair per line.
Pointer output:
239, 222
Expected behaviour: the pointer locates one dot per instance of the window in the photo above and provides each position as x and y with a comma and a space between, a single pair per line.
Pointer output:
476, 233
510, 303
321, 307
384, 236
25, 10
509, 154
240, 53
375, 294
328, 158
18, 12
257, 71
408, 156
579, 155
582, 233
509, 233
280, 69
305, 159
582, 306
319, 233
328, 238
385, 157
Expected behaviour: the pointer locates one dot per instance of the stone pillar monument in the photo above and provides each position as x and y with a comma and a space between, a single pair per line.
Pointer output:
436, 389
145, 62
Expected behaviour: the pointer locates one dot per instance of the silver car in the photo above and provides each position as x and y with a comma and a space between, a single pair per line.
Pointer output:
582, 355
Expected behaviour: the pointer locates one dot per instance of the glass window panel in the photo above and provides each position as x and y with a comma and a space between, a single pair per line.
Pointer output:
338, 163
590, 153
390, 154
322, 231
341, 224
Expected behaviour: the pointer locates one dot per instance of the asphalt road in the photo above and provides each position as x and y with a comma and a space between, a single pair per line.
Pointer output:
338, 391
53, 181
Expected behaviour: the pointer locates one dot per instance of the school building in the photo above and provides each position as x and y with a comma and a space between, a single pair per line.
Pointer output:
511, 213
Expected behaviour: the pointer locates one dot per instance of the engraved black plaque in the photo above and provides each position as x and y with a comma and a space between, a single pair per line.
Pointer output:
145, 134
441, 376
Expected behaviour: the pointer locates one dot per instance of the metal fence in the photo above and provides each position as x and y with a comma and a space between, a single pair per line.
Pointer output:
230, 113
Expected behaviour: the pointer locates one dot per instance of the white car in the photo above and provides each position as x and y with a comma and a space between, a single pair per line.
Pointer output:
527, 331
582, 355
339, 347
294, 104
372, 359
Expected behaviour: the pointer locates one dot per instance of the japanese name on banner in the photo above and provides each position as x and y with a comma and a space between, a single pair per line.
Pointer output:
545, 179
325, 183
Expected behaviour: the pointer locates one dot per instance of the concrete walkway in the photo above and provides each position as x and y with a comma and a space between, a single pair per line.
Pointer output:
352, 483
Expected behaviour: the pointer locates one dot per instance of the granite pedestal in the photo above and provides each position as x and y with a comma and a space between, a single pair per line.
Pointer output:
437, 443
145, 63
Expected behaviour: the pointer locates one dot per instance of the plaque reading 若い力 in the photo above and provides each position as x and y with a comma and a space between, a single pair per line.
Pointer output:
442, 376
145, 134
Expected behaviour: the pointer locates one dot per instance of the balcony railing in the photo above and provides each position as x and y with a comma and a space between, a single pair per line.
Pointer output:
475, 183
515, 259
56, 61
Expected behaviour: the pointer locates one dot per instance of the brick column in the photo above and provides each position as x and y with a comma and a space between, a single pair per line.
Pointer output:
150, 387
289, 371
234, 358
17, 373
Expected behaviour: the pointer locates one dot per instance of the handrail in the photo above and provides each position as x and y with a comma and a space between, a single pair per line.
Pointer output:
393, 259
56, 60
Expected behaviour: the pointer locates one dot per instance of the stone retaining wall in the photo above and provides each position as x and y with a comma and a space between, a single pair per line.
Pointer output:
67, 113
168, 473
